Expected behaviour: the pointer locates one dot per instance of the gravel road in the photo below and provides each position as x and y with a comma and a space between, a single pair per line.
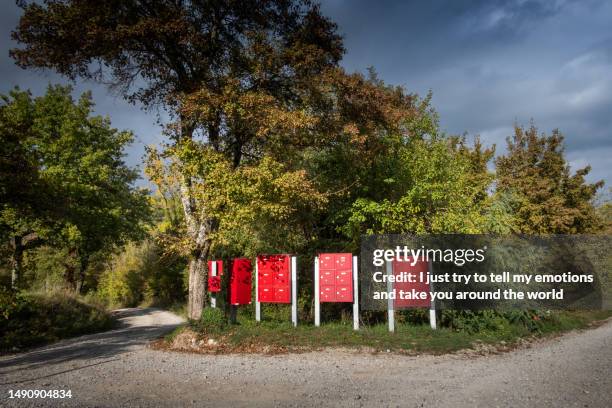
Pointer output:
117, 369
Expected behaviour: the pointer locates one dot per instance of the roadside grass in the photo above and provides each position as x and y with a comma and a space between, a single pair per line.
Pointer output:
571, 320
30, 319
179, 308
274, 336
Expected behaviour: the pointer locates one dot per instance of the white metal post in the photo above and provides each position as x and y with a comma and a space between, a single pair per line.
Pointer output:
355, 295
294, 317
213, 296
228, 296
390, 306
317, 293
432, 304
432, 318
257, 304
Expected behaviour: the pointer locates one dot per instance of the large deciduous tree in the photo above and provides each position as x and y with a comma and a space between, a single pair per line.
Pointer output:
547, 198
80, 193
25, 202
265, 55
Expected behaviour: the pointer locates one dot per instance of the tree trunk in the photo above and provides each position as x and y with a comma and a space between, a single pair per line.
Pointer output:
70, 270
20, 244
84, 264
16, 261
199, 227
198, 296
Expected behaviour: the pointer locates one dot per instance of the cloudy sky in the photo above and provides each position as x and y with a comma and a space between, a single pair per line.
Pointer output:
488, 63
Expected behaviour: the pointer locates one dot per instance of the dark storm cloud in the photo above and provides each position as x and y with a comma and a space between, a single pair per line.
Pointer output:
489, 64
123, 115
493, 63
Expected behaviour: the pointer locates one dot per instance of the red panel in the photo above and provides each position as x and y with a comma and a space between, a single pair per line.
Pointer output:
328, 293
281, 278
336, 277
219, 267
344, 278
344, 261
240, 282
344, 293
274, 281
214, 284
266, 294
327, 277
282, 294
419, 286
266, 278
327, 261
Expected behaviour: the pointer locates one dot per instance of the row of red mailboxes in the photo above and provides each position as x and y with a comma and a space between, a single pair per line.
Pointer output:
274, 281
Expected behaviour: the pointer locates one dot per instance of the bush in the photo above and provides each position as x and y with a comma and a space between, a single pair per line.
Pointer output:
31, 319
44, 268
491, 320
122, 284
142, 274
212, 320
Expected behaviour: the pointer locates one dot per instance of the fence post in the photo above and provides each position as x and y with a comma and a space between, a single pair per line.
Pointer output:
432, 304
317, 294
257, 304
390, 305
355, 294
294, 317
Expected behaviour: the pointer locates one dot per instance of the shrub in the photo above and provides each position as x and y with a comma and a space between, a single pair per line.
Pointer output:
491, 320
212, 320
141, 274
30, 319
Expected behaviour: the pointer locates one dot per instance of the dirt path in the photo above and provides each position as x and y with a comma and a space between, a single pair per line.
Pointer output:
116, 369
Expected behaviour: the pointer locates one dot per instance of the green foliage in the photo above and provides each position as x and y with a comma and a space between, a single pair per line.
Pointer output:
435, 190
604, 211
31, 319
142, 274
45, 267
212, 320
493, 321
546, 197
82, 196
252, 204
122, 283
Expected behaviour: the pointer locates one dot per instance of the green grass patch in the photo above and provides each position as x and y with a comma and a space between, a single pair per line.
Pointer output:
279, 336
33, 319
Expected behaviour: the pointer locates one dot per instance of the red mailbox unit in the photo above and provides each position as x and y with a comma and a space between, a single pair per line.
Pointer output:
240, 282
336, 277
400, 267
274, 278
214, 282
219, 267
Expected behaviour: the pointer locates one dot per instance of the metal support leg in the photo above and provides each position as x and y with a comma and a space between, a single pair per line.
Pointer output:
355, 294
257, 304
294, 318
317, 293
213, 296
390, 301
